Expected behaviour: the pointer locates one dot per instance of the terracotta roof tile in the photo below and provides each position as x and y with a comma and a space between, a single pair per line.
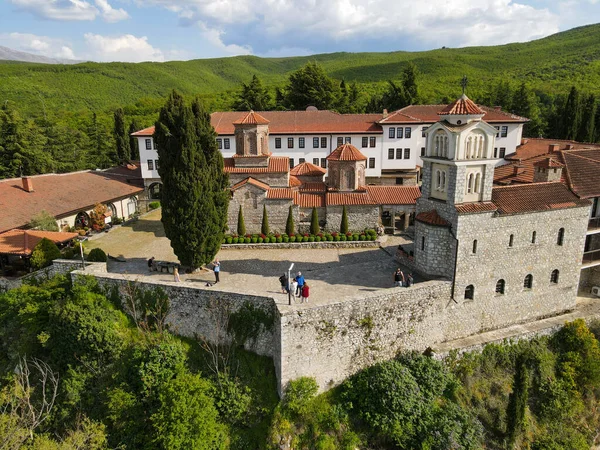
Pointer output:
462, 106
471, 208
251, 118
310, 200
22, 242
399, 117
429, 114
280, 194
583, 171
252, 181
522, 171
295, 181
394, 195
316, 186
349, 198
534, 197
277, 164
60, 194
549, 163
307, 169
346, 152
531, 147
145, 132
432, 218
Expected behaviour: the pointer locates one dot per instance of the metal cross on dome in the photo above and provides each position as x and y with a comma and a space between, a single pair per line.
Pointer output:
464, 83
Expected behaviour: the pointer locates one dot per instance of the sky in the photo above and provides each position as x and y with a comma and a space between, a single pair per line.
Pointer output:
164, 30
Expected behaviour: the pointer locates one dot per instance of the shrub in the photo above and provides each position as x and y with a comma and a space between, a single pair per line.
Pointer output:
235, 240
279, 240
342, 237
229, 239
44, 221
43, 254
317, 238
153, 205
355, 237
97, 255
292, 238
314, 222
247, 240
336, 238
68, 253
344, 224
265, 221
289, 226
81, 232
311, 239
305, 239
254, 239
260, 240
298, 395
241, 225
286, 239
363, 237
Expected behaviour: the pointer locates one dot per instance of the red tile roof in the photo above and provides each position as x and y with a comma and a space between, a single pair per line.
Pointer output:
251, 118
59, 194
349, 198
462, 106
394, 195
432, 218
281, 193
294, 181
252, 181
316, 186
277, 164
429, 114
346, 152
534, 197
145, 132
310, 200
548, 163
531, 147
22, 242
471, 208
399, 117
307, 169
583, 171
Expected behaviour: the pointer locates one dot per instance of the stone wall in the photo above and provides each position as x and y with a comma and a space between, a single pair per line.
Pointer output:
359, 217
272, 179
58, 267
304, 245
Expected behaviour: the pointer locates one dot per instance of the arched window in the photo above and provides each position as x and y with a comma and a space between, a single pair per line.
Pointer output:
475, 246
533, 237
477, 183
554, 276
82, 219
561, 236
469, 183
528, 282
511, 240
500, 287
469, 292
438, 179
468, 149
155, 191
443, 180
445, 151
436, 146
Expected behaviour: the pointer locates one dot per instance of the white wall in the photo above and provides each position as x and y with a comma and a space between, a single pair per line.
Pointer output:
414, 143
146, 155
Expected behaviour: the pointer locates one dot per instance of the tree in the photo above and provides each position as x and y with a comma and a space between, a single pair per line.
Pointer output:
133, 142
409, 84
44, 253
252, 96
97, 255
344, 224
314, 222
517, 404
194, 197
571, 115
241, 226
587, 126
310, 86
264, 228
397, 95
289, 225
44, 221
121, 137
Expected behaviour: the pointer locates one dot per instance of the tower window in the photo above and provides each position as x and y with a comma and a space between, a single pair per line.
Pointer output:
475, 246
469, 292
340, 141
423, 130
561, 237
554, 276
422, 151
324, 163
219, 143
533, 237
511, 240
478, 183
528, 282
500, 285
504, 131
469, 183
148, 144
407, 153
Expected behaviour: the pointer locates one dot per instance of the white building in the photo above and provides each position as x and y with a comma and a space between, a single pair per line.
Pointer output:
393, 143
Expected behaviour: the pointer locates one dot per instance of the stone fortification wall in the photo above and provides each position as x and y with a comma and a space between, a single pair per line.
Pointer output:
304, 245
58, 267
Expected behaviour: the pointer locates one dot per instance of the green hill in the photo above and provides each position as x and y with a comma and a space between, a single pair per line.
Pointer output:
550, 64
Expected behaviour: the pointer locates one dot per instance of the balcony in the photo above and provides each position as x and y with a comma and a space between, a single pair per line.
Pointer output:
594, 225
591, 258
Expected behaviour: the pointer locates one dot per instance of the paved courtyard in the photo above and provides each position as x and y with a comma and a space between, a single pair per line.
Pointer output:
332, 274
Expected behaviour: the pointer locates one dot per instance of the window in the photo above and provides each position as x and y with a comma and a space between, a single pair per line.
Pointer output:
504, 131
390, 153
423, 243
371, 163
502, 152
469, 292
277, 142
407, 132
348, 140
399, 133
495, 152
533, 237
554, 276
423, 130
365, 141
226, 143
392, 132
528, 282
316, 142
477, 183
340, 141
301, 142
399, 181
474, 246
511, 240
219, 143
407, 153
323, 142
301, 160
324, 163
148, 144
469, 183
372, 141
561, 237
422, 151
316, 161
156, 164
497, 131
398, 153
150, 164
291, 163
500, 284
290, 142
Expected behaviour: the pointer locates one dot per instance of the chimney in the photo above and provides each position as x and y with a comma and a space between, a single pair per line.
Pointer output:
27, 184
385, 113
524, 141
570, 146
553, 148
517, 167
498, 108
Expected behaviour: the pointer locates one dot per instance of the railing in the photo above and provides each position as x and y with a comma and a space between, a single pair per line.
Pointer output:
590, 257
594, 223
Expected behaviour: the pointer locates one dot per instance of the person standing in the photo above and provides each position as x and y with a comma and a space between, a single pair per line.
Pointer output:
398, 276
301, 281
409, 280
151, 264
283, 280
305, 293
216, 269
294, 288
176, 275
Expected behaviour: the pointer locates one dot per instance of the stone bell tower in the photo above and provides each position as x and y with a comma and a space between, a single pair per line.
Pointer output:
346, 168
252, 135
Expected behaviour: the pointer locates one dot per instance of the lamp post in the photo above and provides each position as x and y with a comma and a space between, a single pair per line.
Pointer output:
82, 260
289, 284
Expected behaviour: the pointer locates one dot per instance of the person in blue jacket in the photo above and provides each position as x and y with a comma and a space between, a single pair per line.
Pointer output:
300, 280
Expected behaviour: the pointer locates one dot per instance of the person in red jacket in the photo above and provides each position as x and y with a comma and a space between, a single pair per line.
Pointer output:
305, 293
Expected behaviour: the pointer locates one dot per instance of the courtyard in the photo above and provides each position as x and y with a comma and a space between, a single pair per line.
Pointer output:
333, 275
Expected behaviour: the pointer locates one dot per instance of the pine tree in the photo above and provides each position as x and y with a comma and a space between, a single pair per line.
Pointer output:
121, 138
314, 222
241, 226
194, 197
344, 224
252, 96
289, 225
264, 229
134, 154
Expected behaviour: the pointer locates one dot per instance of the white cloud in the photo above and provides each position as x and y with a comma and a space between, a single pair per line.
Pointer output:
214, 37
71, 10
121, 48
38, 45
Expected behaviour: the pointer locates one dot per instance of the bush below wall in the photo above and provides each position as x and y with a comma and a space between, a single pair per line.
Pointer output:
296, 239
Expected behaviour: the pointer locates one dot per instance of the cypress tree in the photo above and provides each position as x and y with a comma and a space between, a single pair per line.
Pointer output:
571, 116
289, 225
344, 224
133, 142
314, 222
241, 228
587, 126
517, 404
121, 137
265, 221
194, 197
